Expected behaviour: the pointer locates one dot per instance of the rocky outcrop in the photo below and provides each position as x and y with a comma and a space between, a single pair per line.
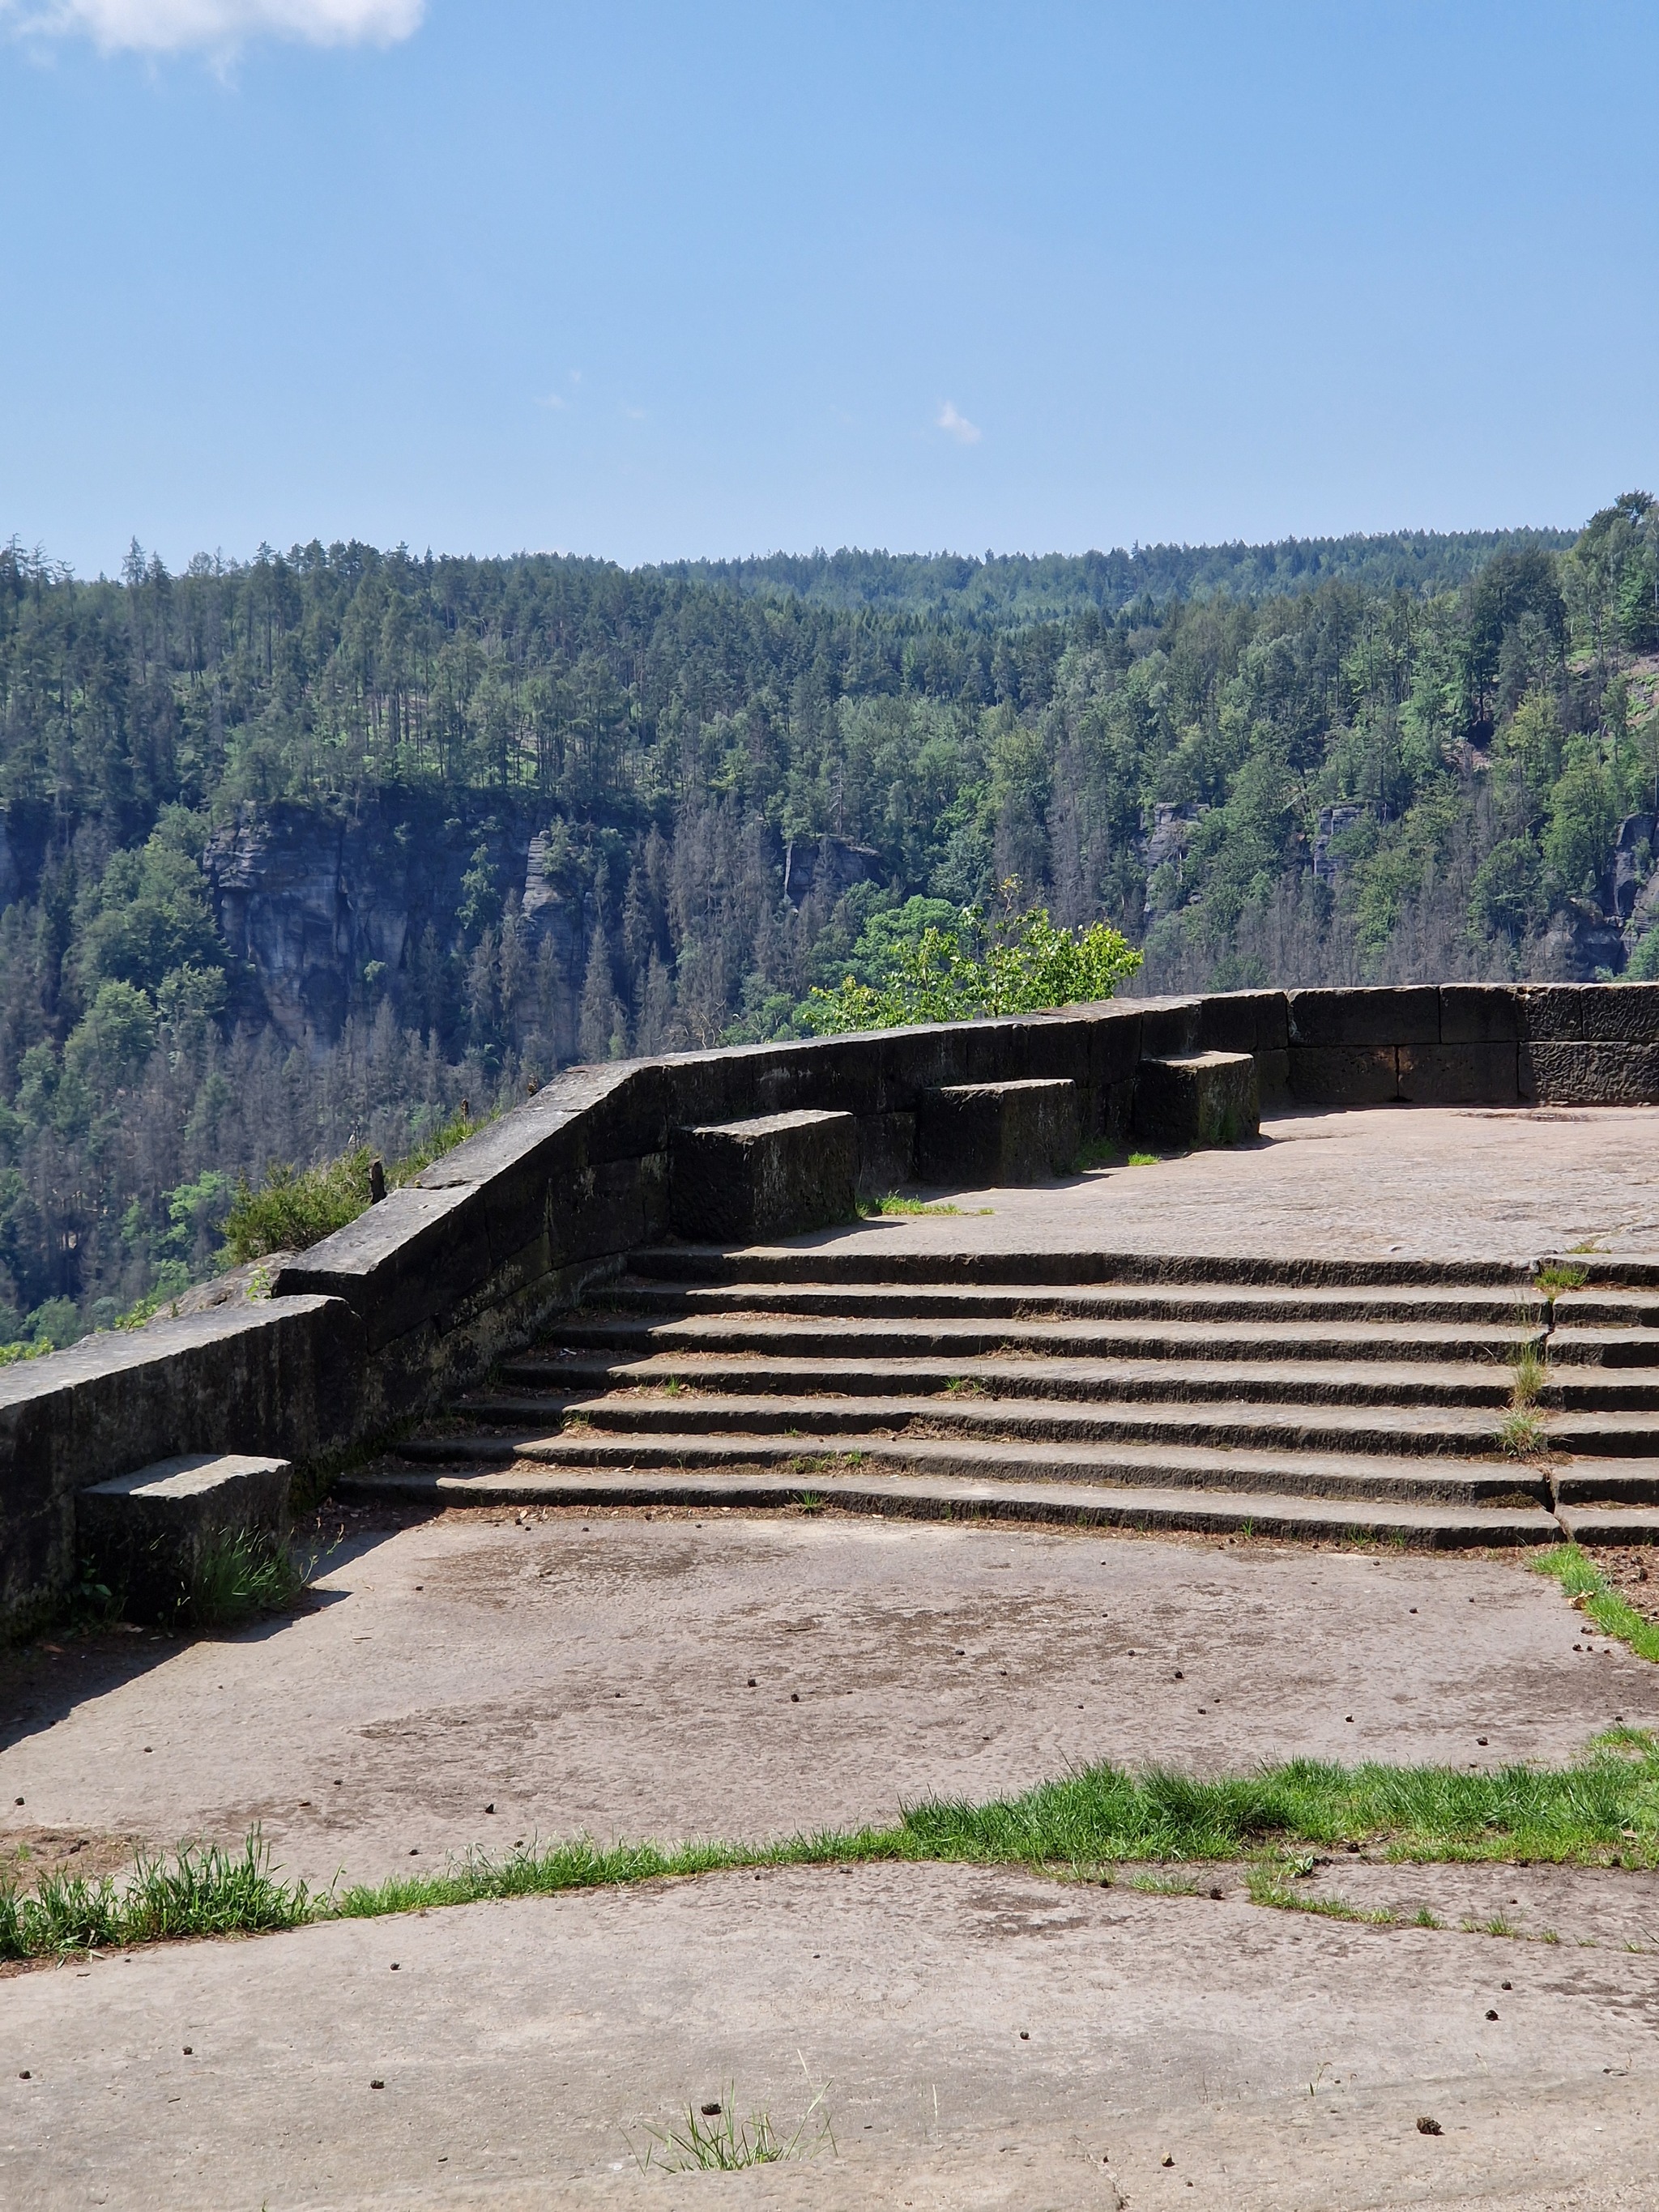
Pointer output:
327, 912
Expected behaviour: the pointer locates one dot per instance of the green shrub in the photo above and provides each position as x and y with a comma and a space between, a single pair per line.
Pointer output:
294, 1208
1023, 964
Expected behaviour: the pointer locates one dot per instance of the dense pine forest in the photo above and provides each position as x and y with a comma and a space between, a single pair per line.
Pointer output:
300, 853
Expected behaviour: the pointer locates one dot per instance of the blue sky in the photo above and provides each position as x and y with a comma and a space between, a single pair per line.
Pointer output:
650, 281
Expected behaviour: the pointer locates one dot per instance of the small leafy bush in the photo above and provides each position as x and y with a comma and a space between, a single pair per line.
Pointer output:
1021, 964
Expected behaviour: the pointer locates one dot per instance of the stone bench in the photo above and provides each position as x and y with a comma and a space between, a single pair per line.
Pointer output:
736, 1181
141, 1533
1199, 1100
991, 1134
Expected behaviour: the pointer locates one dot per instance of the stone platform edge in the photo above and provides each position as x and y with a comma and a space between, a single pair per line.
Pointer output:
422, 1294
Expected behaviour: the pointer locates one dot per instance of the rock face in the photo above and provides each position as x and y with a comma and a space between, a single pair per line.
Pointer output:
1581, 945
824, 867
328, 912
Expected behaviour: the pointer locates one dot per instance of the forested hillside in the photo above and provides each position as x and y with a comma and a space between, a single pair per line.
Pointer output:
303, 852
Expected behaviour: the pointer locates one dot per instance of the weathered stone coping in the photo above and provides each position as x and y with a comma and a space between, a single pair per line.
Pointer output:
423, 1292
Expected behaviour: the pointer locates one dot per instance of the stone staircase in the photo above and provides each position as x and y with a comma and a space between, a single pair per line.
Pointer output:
1333, 1398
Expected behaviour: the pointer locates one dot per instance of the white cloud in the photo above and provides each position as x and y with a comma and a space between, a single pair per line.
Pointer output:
221, 26
958, 426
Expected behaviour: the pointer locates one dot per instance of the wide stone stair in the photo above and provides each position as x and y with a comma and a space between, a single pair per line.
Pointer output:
1367, 1399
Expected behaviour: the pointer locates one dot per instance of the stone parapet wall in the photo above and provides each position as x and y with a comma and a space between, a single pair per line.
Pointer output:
425, 1291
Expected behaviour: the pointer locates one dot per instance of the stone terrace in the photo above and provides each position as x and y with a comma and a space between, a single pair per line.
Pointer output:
1312, 1333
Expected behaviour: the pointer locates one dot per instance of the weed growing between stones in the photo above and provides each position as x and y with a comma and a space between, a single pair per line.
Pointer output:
236, 1577
1521, 1433
1528, 1376
1555, 1278
1590, 1592
202, 1891
1603, 1808
869, 1208
1265, 1884
712, 2140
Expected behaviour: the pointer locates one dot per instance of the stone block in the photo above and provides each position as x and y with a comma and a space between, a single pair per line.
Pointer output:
1256, 1022
1478, 1013
1551, 1073
142, 1534
1171, 1027
404, 1261
1344, 1075
1619, 1075
987, 1134
1550, 1014
1199, 1100
1458, 1075
886, 1155
1408, 1014
1273, 1078
286, 1375
1620, 1013
734, 1182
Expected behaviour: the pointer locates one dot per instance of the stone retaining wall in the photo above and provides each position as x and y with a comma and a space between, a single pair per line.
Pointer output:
425, 1291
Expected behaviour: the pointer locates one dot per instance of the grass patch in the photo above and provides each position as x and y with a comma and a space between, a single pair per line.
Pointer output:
234, 1579
202, 1891
1266, 1885
964, 1386
1557, 1277
869, 1208
296, 1207
1590, 1591
1605, 1803
1144, 1159
712, 2140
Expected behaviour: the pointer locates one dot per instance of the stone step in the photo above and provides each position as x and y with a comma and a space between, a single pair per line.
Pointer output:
823, 1336
1502, 1307
1606, 1482
1608, 1309
1370, 1382
1210, 1462
1610, 1524
1266, 1514
1391, 1430
866, 1255
1573, 1346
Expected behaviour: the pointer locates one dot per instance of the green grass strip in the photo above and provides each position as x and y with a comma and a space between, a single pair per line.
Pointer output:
1581, 1578
1602, 1808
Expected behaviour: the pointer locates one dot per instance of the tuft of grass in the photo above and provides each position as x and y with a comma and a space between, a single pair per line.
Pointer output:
1557, 1277
296, 1207
202, 1891
235, 1577
1521, 1433
712, 2140
1424, 1918
809, 1501
1266, 1885
869, 1208
964, 1386
1528, 1376
1144, 1160
1590, 1591
1498, 1925
1165, 1885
